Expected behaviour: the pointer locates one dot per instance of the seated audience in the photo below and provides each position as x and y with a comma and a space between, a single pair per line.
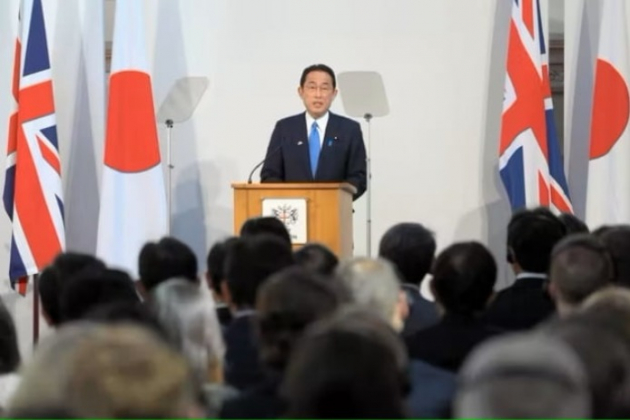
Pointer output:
523, 376
351, 366
90, 289
316, 258
463, 278
411, 248
216, 278
375, 286
163, 260
532, 234
249, 263
266, 226
580, 265
287, 304
55, 276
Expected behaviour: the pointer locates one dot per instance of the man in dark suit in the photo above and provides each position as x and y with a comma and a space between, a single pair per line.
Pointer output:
317, 146
532, 234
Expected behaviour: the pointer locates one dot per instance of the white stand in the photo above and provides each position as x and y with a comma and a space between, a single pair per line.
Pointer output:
363, 96
179, 105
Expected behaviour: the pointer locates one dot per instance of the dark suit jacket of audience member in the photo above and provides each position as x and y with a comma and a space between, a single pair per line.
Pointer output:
243, 368
432, 391
422, 312
448, 343
260, 402
520, 306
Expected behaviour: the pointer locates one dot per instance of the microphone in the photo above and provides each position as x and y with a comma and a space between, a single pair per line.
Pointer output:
273, 152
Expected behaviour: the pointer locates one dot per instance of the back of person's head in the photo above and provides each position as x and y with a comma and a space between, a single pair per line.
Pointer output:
617, 240
350, 366
166, 259
603, 353
611, 307
128, 313
411, 248
90, 289
316, 258
573, 224
463, 278
127, 372
250, 262
266, 225
374, 284
580, 265
54, 277
532, 234
187, 313
287, 303
9, 351
523, 376
216, 263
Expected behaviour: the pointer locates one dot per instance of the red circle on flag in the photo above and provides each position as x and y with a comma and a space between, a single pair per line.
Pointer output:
611, 109
131, 144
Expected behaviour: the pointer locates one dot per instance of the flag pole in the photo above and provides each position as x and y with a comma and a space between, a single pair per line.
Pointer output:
169, 173
368, 119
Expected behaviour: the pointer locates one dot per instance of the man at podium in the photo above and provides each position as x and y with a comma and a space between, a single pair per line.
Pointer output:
317, 145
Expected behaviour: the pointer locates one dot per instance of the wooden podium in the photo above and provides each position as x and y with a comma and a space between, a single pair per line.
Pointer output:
313, 212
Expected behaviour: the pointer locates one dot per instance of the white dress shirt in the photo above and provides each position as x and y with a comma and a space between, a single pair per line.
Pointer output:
322, 122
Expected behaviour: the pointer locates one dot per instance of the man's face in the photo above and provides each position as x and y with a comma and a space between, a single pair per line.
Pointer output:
317, 93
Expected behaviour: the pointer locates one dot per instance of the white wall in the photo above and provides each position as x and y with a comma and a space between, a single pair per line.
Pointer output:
434, 157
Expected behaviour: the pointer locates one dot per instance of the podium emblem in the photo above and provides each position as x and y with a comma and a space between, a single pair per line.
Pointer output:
291, 212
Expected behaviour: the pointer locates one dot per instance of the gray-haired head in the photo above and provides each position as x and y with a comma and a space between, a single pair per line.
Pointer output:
523, 376
374, 285
188, 313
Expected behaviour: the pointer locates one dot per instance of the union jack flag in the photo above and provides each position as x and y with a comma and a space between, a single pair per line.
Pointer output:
530, 161
32, 194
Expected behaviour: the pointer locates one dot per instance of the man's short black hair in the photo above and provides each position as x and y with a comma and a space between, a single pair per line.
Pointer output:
463, 278
90, 289
216, 262
411, 248
573, 224
266, 225
250, 261
54, 277
617, 241
318, 67
317, 258
164, 260
532, 234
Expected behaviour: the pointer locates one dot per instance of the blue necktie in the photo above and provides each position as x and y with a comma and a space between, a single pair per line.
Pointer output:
314, 147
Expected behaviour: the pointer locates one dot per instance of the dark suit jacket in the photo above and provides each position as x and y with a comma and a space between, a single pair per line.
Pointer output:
261, 402
243, 368
432, 391
422, 313
448, 343
342, 157
520, 306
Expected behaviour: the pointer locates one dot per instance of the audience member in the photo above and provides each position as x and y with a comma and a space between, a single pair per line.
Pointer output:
580, 265
266, 225
9, 356
573, 224
411, 248
54, 277
463, 278
523, 376
351, 366
163, 260
216, 278
617, 240
287, 304
532, 234
249, 263
316, 258
90, 289
376, 287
